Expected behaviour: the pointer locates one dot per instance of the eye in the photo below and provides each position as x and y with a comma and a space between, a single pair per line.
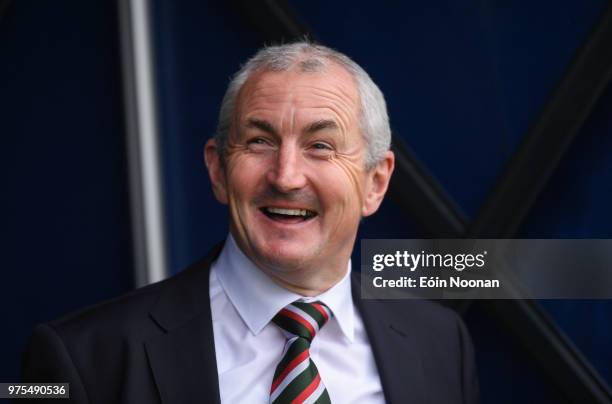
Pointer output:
321, 146
257, 140
258, 144
321, 149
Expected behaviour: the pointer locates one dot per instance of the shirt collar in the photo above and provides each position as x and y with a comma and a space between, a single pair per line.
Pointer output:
257, 298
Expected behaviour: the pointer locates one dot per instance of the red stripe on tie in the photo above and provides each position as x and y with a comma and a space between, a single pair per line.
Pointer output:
321, 310
296, 361
308, 391
299, 319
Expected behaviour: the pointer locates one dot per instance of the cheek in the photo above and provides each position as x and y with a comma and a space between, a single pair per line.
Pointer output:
352, 175
243, 176
340, 183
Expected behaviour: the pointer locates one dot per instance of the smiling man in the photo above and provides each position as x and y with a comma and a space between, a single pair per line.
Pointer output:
301, 155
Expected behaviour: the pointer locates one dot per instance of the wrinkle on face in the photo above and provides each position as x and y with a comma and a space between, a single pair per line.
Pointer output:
352, 165
265, 94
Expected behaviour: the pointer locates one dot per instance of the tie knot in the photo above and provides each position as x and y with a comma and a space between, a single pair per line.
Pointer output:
303, 319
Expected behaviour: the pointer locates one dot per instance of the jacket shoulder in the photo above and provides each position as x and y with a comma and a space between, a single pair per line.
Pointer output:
130, 313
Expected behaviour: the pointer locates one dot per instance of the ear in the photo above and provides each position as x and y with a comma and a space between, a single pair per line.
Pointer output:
377, 184
216, 171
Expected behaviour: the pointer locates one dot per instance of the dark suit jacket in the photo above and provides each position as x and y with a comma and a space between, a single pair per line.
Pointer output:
156, 345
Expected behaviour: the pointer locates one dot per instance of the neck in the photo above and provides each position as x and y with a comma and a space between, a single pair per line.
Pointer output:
305, 284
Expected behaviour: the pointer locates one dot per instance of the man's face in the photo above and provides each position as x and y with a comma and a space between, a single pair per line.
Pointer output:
294, 174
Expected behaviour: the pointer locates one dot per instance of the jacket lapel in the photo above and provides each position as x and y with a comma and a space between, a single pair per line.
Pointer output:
399, 362
182, 358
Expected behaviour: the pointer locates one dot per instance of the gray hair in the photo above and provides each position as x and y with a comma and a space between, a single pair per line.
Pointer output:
308, 57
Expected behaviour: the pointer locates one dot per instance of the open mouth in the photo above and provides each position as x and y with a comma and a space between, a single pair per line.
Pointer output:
285, 215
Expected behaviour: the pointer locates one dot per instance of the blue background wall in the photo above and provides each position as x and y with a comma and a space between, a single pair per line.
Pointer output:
463, 80
65, 224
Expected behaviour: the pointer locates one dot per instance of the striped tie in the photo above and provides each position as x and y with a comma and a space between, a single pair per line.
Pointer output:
297, 379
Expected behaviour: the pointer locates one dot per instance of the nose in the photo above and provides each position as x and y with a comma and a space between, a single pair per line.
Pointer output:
287, 173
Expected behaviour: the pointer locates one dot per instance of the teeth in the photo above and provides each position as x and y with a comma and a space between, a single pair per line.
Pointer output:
289, 212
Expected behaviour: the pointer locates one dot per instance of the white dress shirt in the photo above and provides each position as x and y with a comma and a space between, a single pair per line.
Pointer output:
248, 346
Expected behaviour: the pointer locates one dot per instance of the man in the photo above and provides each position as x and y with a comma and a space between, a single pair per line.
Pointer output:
300, 156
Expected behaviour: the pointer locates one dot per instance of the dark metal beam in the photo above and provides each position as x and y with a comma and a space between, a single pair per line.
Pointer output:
274, 20
554, 352
4, 7
526, 174
416, 190
520, 184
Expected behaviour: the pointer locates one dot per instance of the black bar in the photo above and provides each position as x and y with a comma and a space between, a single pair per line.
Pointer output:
274, 20
414, 189
553, 351
532, 165
4, 7
517, 189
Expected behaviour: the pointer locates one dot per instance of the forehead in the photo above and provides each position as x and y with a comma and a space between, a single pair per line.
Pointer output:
332, 87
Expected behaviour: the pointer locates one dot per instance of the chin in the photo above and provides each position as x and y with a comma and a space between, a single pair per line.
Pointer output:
285, 258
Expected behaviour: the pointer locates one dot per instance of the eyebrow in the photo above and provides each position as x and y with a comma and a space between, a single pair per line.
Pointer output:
320, 125
262, 125
267, 127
